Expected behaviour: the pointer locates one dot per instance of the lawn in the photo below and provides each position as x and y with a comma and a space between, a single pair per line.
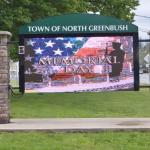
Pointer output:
105, 104
84, 105
75, 141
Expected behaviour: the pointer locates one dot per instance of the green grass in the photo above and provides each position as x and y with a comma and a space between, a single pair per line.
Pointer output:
75, 141
63, 105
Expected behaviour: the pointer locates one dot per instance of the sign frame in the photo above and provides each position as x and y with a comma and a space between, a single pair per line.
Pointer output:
133, 31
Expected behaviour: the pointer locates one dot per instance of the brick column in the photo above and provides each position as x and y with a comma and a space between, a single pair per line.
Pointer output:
4, 77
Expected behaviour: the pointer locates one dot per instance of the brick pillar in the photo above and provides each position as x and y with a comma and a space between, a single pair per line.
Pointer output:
4, 77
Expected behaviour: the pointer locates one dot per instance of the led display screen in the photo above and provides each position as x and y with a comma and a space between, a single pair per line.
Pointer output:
78, 64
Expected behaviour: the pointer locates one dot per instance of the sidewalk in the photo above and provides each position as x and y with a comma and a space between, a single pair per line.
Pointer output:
78, 124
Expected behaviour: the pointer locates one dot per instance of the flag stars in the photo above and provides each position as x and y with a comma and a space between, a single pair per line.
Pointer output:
68, 45
49, 44
30, 42
28, 71
73, 52
28, 58
58, 52
38, 51
79, 38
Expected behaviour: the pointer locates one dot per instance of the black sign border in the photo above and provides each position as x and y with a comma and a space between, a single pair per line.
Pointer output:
135, 52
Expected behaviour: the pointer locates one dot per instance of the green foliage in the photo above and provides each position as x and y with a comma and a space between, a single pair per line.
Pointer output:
15, 13
122, 9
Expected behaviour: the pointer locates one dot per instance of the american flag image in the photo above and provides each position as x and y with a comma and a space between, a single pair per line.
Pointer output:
38, 76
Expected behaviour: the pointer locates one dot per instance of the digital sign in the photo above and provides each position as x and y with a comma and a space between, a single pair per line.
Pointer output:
76, 64
78, 53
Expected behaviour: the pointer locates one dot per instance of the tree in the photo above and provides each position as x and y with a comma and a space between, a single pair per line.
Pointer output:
14, 13
122, 9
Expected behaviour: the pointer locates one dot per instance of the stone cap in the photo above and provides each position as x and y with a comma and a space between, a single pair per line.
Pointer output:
5, 33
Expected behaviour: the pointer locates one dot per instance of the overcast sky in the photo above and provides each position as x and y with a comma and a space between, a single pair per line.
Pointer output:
144, 23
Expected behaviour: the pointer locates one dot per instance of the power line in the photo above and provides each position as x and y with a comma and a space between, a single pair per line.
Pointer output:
143, 16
